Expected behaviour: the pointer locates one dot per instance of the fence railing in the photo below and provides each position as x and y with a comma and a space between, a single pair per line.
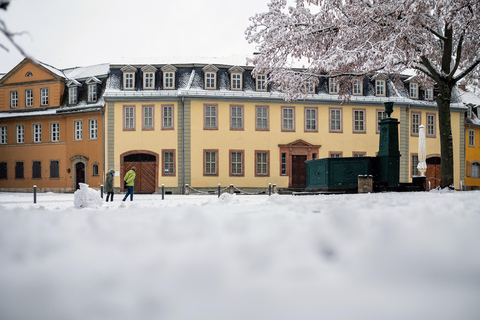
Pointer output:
231, 189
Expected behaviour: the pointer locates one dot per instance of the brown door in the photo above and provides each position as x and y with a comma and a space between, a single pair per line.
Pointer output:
79, 173
433, 175
145, 176
299, 171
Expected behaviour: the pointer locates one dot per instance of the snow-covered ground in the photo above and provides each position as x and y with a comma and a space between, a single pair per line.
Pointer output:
362, 256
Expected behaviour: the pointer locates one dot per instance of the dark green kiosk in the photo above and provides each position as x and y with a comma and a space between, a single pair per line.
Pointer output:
342, 174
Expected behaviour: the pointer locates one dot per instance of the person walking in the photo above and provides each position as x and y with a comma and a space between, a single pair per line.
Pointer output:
109, 184
129, 180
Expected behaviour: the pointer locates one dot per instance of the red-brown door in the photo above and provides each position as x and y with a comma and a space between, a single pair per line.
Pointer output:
299, 171
145, 176
433, 175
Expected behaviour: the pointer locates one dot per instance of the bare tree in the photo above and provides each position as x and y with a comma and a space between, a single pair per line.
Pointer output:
8, 34
440, 39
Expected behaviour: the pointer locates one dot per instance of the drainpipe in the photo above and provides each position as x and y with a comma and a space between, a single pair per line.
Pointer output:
183, 145
103, 147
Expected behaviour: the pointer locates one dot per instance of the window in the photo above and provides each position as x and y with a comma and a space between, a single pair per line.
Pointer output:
3, 170
147, 119
380, 88
3, 135
29, 98
210, 116
310, 86
149, 80
288, 119
44, 101
72, 95
37, 170
128, 117
37, 132
414, 169
357, 154
336, 120
95, 169
167, 117
128, 80
168, 163
93, 128
210, 160
429, 93
92, 93
333, 86
236, 117
55, 132
357, 87
210, 80
471, 138
78, 130
19, 170
261, 115
413, 90
169, 76
260, 82
54, 169
14, 99
28, 74
431, 125
416, 118
261, 163
283, 164
359, 121
236, 81
475, 170
311, 119
236, 163
20, 133
335, 154
381, 114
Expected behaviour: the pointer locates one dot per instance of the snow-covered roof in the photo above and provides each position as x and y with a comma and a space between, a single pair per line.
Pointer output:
80, 73
240, 60
470, 98
51, 69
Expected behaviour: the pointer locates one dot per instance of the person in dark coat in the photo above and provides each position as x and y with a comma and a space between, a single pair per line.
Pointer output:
109, 184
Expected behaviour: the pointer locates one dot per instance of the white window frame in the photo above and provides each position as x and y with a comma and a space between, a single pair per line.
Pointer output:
129, 118
429, 93
261, 82
261, 163
380, 90
73, 95
210, 162
44, 96
413, 90
14, 99
236, 117
211, 116
148, 117
236, 81
475, 170
54, 131
169, 80
93, 129
381, 114
149, 80
37, 132
288, 118
311, 123
416, 120
471, 138
20, 133
167, 117
262, 118
236, 163
128, 80
335, 120
210, 80
310, 86
92, 93
357, 87
3, 135
333, 86
431, 125
78, 130
28, 98
359, 121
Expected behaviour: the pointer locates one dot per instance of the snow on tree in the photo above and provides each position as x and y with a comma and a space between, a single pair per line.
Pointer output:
347, 39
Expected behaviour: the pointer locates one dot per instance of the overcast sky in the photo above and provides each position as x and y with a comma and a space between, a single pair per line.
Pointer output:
68, 33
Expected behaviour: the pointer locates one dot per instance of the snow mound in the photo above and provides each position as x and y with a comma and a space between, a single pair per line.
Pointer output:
86, 197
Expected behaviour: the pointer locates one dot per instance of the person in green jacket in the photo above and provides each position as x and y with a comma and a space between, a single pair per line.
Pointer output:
129, 180
109, 184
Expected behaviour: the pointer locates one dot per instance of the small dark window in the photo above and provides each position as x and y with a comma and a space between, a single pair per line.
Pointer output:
284, 163
19, 172
95, 170
37, 170
29, 74
3, 170
54, 169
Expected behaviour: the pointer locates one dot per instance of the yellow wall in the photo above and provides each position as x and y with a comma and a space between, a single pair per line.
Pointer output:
472, 154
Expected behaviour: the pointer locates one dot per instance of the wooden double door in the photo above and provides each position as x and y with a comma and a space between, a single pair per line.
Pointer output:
146, 173
433, 172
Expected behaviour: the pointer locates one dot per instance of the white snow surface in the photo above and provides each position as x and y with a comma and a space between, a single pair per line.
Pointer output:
360, 256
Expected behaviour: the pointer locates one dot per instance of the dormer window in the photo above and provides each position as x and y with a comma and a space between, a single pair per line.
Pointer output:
92, 83
128, 77
210, 73
333, 86
73, 91
149, 77
380, 88
169, 77
429, 93
236, 78
413, 90
310, 86
261, 82
357, 87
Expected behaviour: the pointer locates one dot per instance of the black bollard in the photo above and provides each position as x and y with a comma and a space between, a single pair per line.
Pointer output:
101, 191
269, 189
34, 194
219, 190
163, 191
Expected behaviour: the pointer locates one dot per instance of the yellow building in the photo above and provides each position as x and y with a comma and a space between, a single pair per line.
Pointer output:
472, 139
51, 126
206, 124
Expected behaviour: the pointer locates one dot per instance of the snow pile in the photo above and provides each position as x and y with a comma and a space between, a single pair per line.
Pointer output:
86, 197
382, 256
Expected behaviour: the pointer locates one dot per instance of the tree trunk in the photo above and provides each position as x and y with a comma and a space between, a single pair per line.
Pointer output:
446, 140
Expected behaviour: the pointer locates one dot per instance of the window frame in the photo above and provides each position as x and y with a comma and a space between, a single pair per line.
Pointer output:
283, 164
52, 171
17, 167
378, 111
148, 80
240, 118
476, 165
333, 86
3, 170
166, 109
95, 169
36, 170
413, 90
3, 134
37, 133
356, 154
44, 96
128, 80
236, 81
414, 165
210, 80
257, 163
133, 120
330, 130
380, 84
415, 127
20, 136
471, 138
205, 117
306, 110
261, 82
92, 93
241, 165
267, 117
29, 101
72, 95
169, 80
283, 119
357, 83
54, 132
174, 169
363, 121
151, 117
427, 133
334, 154
13, 99
429, 93
78, 130
210, 151
92, 130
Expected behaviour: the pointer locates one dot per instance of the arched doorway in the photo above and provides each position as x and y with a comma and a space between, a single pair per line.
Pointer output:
146, 162
79, 168
433, 171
